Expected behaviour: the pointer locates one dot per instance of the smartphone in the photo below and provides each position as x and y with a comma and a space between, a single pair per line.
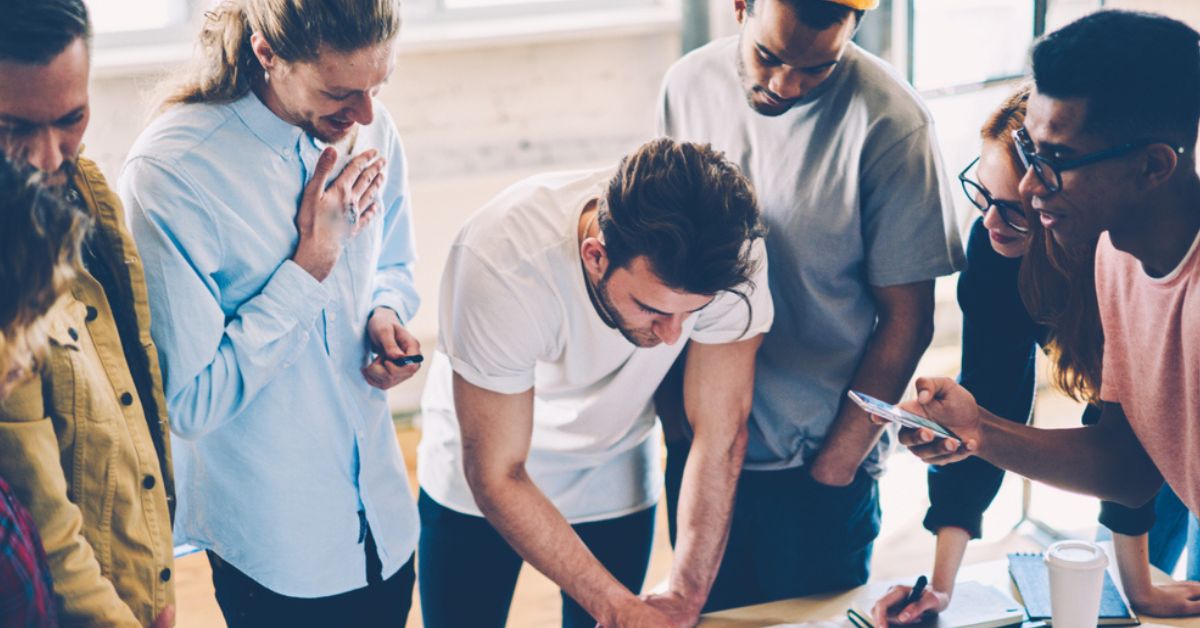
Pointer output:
892, 413
405, 360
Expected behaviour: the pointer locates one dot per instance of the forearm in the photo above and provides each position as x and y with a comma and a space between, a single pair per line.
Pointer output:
1133, 562
886, 368
948, 557
539, 533
1100, 460
269, 332
705, 511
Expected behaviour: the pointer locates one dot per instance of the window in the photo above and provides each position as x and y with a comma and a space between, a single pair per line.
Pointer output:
963, 42
432, 10
948, 46
131, 22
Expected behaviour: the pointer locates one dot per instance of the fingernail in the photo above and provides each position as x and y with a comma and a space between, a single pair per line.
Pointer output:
903, 617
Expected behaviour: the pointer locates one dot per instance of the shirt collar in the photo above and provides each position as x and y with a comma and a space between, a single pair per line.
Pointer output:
278, 135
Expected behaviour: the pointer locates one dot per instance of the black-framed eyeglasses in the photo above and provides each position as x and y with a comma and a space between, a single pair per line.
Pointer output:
1049, 170
1013, 214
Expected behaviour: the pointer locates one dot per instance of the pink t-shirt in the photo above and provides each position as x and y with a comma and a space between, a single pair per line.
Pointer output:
1152, 359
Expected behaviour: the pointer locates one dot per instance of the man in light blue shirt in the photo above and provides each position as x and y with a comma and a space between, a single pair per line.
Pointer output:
275, 276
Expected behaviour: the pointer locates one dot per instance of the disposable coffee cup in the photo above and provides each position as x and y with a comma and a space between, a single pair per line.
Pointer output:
1076, 571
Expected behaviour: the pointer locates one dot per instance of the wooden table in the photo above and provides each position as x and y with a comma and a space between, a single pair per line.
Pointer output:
832, 607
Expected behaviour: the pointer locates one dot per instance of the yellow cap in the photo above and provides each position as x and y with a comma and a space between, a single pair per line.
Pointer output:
863, 5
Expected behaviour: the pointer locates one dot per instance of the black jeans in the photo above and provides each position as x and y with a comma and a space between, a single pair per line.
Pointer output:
790, 535
468, 571
383, 602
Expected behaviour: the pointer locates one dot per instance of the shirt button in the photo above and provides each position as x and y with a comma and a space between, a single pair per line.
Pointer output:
165, 574
73, 334
126, 399
148, 482
92, 313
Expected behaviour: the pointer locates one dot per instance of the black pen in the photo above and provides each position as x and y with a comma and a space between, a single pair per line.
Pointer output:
916, 592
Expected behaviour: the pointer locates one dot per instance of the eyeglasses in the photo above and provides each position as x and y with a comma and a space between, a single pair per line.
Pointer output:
1049, 170
1013, 214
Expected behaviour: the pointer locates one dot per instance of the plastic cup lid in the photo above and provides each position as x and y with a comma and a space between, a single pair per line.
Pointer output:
1076, 555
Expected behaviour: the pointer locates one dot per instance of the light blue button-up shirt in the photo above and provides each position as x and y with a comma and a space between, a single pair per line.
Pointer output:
281, 442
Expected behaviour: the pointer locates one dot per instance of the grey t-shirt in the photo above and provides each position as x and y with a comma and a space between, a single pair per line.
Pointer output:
853, 189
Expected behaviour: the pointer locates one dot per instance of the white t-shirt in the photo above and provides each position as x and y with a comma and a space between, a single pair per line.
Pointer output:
514, 314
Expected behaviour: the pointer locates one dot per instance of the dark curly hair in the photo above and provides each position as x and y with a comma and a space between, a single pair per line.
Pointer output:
818, 14
1139, 72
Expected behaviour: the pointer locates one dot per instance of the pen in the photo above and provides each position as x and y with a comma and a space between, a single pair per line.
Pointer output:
917, 590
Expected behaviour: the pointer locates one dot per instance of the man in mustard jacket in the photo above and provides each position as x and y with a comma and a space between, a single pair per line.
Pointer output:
83, 439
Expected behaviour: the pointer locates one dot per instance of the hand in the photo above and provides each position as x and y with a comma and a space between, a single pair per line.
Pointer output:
165, 619
1175, 599
827, 473
640, 614
324, 217
678, 609
931, 602
945, 402
390, 340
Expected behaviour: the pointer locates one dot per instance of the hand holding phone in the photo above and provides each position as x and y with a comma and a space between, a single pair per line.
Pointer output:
894, 414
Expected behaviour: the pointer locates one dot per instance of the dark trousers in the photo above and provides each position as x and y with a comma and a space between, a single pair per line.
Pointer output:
790, 536
468, 571
383, 602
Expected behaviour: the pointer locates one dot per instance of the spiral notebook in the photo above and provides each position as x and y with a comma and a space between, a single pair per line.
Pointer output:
1029, 573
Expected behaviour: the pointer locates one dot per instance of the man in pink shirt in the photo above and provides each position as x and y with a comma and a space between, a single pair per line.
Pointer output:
1109, 146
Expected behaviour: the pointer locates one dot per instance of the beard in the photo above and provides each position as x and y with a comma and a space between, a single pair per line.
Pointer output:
642, 338
751, 88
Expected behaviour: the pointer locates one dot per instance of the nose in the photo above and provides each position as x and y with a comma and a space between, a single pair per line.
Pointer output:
1031, 186
363, 109
669, 328
786, 84
44, 152
992, 220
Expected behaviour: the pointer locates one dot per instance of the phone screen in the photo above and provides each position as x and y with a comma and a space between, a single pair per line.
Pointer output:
889, 411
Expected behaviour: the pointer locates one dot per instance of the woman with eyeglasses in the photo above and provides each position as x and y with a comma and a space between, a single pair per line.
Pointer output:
1021, 291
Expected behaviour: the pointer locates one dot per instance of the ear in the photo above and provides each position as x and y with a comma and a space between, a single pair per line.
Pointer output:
739, 10
1159, 165
262, 50
595, 257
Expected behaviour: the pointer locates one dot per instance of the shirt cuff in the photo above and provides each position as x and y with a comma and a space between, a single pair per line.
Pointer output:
938, 518
505, 385
396, 303
1126, 520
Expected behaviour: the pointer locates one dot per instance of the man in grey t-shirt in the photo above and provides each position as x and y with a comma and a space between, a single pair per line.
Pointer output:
844, 160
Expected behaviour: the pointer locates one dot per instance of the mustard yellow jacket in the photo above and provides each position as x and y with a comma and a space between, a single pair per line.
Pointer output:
84, 443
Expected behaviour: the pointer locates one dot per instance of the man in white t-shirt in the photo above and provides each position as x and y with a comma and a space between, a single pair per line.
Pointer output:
564, 302
844, 161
